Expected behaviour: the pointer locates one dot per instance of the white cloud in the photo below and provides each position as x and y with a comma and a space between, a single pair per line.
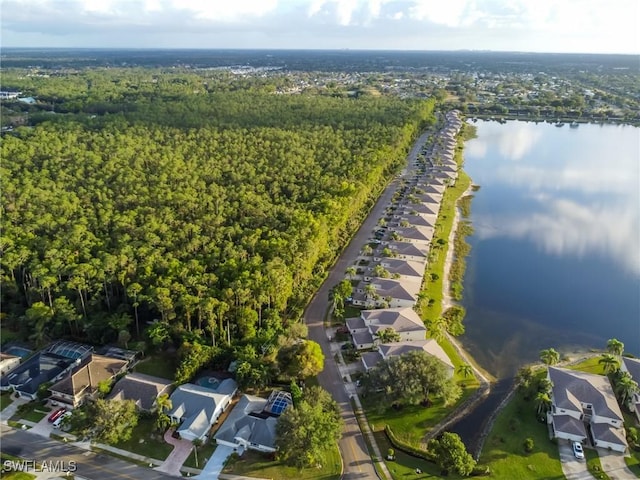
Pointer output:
541, 25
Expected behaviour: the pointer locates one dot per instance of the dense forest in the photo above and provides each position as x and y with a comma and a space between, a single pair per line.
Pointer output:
206, 218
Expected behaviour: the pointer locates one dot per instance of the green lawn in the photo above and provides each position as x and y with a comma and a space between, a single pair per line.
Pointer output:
6, 400
503, 450
594, 464
351, 311
152, 444
633, 462
404, 466
410, 423
204, 454
433, 288
163, 366
590, 365
254, 464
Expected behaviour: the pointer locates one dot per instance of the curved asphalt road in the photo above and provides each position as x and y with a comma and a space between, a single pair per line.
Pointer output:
355, 457
90, 465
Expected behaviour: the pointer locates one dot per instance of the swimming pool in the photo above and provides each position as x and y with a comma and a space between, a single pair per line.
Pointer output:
208, 382
18, 351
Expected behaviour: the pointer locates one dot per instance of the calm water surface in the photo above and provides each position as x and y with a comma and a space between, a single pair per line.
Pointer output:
555, 259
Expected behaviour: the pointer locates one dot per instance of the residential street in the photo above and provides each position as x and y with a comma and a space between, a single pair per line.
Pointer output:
357, 463
90, 465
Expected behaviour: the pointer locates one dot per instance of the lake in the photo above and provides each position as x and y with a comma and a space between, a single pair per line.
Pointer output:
555, 258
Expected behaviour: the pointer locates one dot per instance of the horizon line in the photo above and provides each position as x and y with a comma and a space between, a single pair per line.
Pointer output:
346, 49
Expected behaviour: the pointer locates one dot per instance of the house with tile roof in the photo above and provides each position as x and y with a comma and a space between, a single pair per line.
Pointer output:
83, 383
584, 407
386, 350
142, 389
404, 321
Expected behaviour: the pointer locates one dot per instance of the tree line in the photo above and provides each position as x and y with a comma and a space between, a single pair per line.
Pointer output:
212, 230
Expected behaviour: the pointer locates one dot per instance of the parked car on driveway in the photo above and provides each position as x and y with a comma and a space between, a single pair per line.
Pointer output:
578, 452
59, 420
57, 414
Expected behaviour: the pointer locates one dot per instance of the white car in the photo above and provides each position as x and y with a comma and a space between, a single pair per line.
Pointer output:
59, 420
578, 452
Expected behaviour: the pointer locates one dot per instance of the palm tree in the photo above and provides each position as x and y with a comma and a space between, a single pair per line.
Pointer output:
367, 251
549, 356
437, 328
615, 346
163, 403
197, 442
543, 403
351, 272
610, 364
370, 290
625, 388
388, 335
465, 370
545, 386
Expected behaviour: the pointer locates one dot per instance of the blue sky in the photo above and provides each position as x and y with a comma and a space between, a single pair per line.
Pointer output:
588, 26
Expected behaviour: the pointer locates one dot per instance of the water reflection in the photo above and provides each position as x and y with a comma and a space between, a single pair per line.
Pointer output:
564, 227
556, 252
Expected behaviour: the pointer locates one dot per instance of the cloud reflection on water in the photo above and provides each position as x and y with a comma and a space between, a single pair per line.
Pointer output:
582, 204
564, 227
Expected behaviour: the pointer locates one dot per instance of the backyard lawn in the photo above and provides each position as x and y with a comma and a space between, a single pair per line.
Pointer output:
254, 464
504, 452
152, 445
163, 366
590, 365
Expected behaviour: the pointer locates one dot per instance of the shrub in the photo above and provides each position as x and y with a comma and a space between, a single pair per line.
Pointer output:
528, 445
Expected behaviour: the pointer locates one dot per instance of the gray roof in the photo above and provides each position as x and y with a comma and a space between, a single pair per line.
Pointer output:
409, 268
633, 367
198, 406
607, 433
371, 359
355, 323
429, 346
142, 389
424, 233
428, 208
243, 423
571, 388
570, 425
400, 319
408, 248
403, 289
362, 338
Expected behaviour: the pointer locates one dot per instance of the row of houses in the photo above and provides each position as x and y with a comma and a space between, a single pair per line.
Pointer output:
74, 374
584, 407
389, 271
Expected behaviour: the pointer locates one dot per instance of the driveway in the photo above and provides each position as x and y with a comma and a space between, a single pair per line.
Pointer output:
573, 468
614, 465
214, 466
355, 456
